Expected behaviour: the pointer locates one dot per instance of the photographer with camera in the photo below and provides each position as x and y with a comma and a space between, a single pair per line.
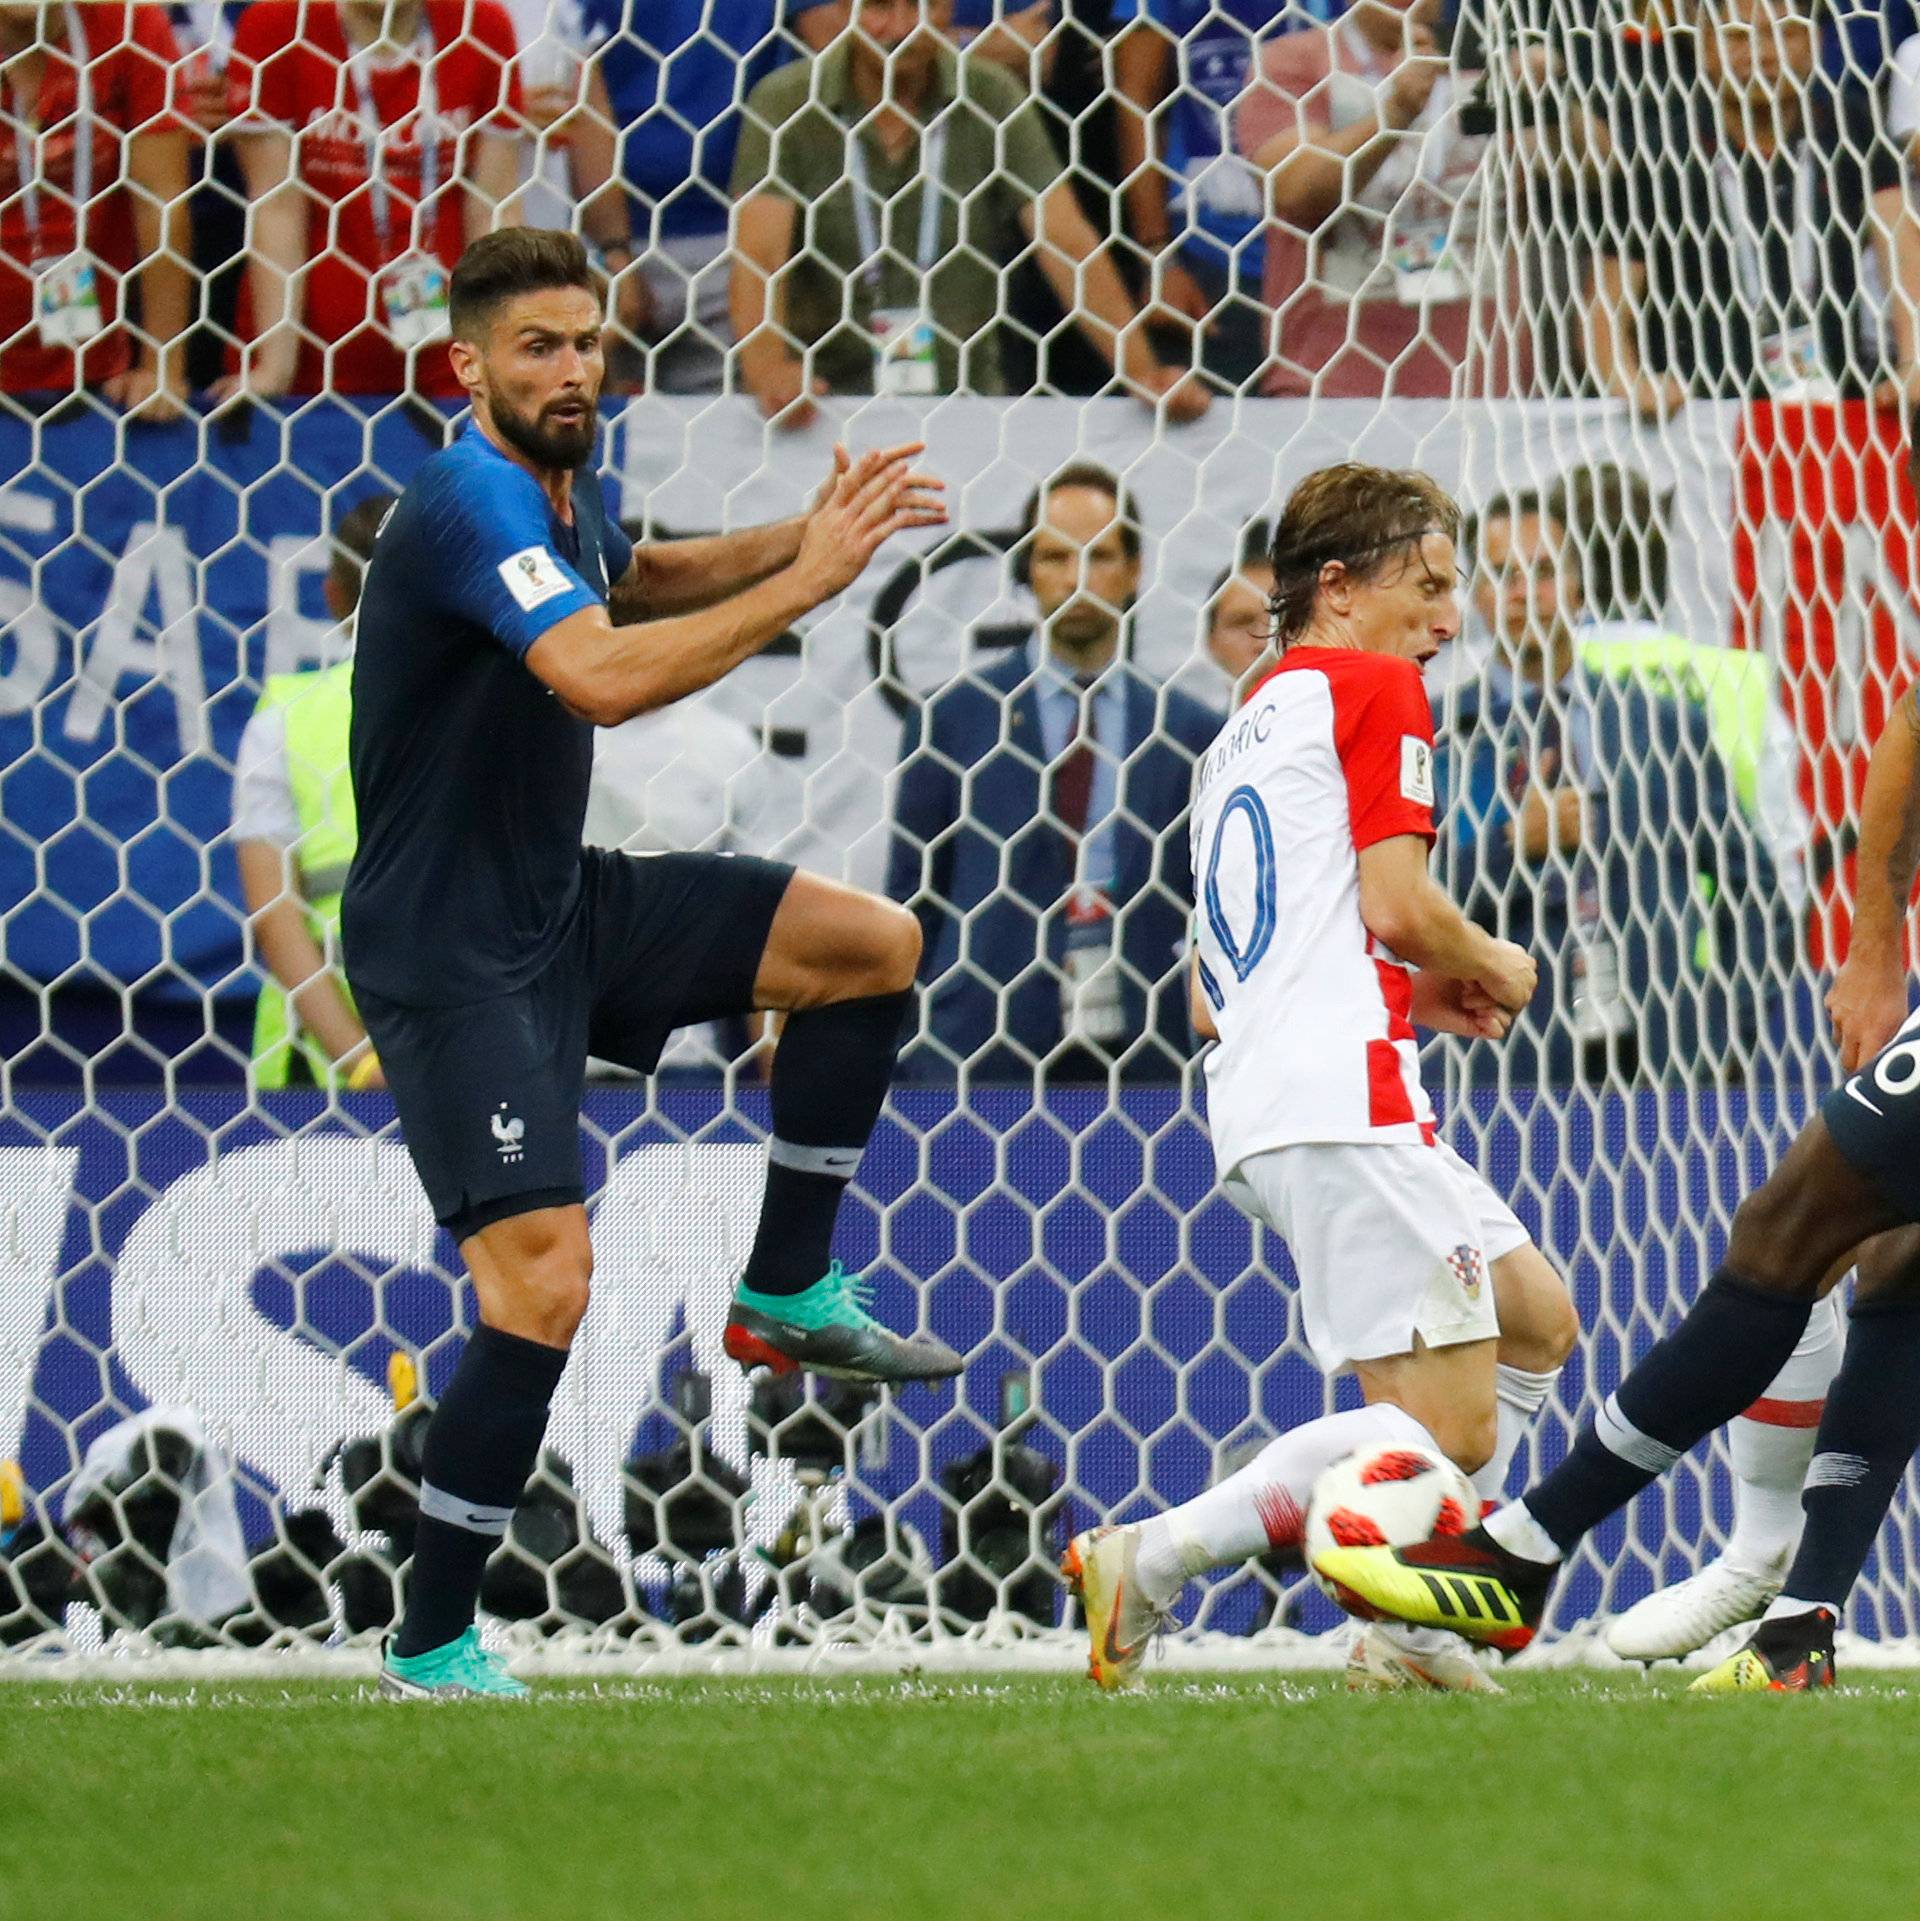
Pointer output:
1371, 140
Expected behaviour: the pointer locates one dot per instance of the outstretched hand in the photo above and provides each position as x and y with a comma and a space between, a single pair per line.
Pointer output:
867, 499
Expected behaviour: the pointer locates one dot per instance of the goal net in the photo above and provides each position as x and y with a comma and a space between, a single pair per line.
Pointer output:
1626, 278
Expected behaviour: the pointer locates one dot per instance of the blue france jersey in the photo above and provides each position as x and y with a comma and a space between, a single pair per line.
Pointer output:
469, 776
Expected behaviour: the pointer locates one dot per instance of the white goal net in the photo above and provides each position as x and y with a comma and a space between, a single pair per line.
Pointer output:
1633, 279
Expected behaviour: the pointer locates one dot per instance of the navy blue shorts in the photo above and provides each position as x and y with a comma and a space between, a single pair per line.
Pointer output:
1874, 1118
489, 1094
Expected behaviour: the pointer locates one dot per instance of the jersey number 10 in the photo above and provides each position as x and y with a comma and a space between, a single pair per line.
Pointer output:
1243, 960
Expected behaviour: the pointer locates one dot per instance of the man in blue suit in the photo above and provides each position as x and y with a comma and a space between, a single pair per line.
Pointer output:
1039, 826
1590, 818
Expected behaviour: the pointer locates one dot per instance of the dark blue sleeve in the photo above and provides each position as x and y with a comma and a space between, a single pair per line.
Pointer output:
617, 548
488, 556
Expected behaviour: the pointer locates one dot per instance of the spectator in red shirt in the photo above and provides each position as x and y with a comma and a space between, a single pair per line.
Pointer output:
1376, 252
85, 95
358, 220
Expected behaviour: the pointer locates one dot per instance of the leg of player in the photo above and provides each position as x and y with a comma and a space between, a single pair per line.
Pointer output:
531, 1273
1770, 1447
1788, 1238
1539, 1328
1129, 1577
1867, 1437
840, 965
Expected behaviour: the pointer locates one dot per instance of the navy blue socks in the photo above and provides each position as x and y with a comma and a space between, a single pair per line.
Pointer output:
481, 1446
831, 1072
1868, 1434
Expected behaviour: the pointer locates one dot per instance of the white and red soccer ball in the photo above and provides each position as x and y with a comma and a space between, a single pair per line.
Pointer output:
1388, 1497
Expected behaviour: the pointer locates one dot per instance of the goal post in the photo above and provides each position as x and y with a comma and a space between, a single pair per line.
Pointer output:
225, 1307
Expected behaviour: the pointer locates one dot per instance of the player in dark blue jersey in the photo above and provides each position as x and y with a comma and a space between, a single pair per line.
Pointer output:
505, 616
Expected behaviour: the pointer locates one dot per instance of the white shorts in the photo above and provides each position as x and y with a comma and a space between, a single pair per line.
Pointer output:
1389, 1242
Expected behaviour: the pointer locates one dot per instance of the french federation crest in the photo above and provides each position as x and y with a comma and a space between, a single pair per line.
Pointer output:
1468, 1269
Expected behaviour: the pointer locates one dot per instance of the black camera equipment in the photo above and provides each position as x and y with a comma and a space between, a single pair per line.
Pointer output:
997, 1524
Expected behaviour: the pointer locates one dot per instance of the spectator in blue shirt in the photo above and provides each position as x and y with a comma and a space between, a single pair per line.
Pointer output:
676, 72
1194, 207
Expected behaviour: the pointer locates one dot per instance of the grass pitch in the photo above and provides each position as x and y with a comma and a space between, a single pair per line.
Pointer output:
1573, 1797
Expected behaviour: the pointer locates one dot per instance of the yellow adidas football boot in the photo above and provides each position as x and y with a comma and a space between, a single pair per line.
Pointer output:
1793, 1655
1468, 1584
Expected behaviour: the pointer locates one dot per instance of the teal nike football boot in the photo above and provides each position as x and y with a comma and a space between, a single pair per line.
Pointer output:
826, 1329
462, 1670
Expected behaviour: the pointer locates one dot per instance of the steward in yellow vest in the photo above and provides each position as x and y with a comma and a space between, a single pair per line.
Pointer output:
318, 710
295, 832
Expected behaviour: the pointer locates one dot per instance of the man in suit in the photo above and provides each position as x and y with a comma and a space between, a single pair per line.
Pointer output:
1039, 826
1589, 817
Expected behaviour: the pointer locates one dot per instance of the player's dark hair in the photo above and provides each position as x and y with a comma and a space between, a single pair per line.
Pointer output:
1616, 527
1076, 473
512, 261
1514, 505
1364, 519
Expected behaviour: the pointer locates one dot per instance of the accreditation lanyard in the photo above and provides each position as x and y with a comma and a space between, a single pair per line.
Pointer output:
866, 228
1804, 255
26, 139
379, 201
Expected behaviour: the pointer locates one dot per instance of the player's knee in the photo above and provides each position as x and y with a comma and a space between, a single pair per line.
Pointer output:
1556, 1335
1888, 1269
560, 1302
1771, 1234
550, 1288
1539, 1325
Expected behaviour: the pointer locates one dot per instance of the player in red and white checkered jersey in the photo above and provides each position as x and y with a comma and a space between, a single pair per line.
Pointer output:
1321, 944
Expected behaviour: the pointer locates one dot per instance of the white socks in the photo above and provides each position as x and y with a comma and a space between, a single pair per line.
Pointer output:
1786, 1607
1264, 1505
1519, 1396
1519, 1533
1772, 1446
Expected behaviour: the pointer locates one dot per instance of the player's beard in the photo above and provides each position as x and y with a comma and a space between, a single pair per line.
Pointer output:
545, 442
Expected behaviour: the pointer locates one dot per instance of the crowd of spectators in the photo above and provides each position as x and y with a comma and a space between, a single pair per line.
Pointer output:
796, 196
1177, 200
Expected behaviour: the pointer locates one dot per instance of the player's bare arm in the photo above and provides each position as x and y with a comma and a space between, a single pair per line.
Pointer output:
1868, 999
1406, 909
607, 673
285, 942
1198, 1011
678, 576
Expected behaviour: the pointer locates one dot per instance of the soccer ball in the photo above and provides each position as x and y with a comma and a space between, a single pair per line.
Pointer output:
1388, 1497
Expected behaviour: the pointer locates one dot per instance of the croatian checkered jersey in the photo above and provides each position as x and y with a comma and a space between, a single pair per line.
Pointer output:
1331, 752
